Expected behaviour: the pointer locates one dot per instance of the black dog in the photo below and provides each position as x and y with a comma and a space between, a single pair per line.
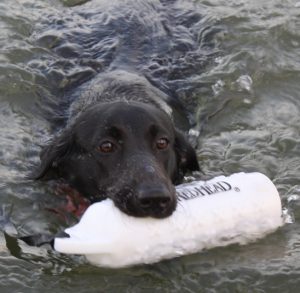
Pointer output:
120, 143
119, 147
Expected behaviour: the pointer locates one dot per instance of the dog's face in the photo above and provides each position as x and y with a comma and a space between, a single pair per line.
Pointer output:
130, 153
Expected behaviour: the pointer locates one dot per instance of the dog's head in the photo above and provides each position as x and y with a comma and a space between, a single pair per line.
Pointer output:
129, 152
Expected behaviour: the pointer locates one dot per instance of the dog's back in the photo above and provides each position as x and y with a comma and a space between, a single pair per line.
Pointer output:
167, 42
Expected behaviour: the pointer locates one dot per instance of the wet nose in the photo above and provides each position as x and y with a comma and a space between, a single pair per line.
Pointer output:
155, 201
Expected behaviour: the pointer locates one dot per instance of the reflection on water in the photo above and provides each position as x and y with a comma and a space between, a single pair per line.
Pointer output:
235, 64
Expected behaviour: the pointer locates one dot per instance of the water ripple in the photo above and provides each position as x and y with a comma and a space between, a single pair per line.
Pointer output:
235, 64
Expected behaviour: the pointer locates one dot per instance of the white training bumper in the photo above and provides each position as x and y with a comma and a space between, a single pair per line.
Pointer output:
218, 212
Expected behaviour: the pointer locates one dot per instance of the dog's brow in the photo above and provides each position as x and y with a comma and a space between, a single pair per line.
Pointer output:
115, 132
155, 130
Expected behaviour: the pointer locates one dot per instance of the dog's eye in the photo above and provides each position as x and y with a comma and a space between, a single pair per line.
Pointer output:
106, 147
162, 143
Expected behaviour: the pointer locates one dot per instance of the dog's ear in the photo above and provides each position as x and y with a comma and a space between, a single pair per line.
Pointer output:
186, 155
52, 154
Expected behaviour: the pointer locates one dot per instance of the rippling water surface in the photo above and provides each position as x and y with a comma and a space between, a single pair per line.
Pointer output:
236, 66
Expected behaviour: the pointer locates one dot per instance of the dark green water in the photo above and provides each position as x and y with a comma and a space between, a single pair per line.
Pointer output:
247, 100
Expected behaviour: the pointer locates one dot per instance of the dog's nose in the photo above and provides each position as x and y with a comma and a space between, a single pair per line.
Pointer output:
155, 201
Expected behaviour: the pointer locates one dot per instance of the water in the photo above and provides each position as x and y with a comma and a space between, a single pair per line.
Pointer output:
236, 66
